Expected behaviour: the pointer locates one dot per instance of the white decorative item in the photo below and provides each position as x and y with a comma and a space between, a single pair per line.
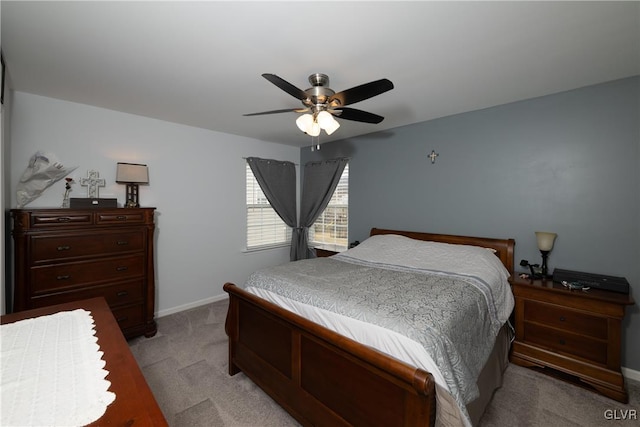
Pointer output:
433, 156
44, 170
92, 182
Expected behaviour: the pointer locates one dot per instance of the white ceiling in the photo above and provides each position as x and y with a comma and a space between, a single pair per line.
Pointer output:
200, 63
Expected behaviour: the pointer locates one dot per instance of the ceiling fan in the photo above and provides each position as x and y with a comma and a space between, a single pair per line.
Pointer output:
321, 103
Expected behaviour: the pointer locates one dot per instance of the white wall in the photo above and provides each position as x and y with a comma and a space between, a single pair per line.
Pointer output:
196, 183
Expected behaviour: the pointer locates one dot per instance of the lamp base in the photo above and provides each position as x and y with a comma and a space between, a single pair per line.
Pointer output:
543, 267
132, 196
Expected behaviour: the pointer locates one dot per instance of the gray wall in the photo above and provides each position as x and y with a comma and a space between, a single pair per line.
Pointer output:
567, 163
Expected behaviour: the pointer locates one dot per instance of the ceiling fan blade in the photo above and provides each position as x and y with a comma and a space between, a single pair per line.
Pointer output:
358, 115
288, 110
286, 86
362, 92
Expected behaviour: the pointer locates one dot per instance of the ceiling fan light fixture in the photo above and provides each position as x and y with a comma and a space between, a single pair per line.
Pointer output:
332, 126
325, 119
305, 122
314, 130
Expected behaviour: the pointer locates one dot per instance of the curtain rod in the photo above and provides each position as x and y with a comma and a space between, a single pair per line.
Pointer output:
311, 161
245, 158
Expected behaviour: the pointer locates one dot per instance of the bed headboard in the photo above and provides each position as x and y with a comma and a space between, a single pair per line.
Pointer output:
503, 247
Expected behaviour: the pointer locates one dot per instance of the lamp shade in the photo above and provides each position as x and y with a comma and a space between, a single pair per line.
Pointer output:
545, 240
304, 122
327, 122
132, 173
314, 130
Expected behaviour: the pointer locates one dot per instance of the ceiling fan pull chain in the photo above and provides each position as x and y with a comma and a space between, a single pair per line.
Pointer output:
315, 146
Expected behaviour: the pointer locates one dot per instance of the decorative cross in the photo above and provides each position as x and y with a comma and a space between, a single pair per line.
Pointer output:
92, 182
433, 156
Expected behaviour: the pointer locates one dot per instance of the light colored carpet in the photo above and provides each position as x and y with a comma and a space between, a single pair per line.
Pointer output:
185, 365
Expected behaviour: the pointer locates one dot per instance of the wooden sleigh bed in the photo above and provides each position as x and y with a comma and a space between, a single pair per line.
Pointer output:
323, 378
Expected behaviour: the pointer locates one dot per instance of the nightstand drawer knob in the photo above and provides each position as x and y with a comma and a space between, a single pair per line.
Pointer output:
122, 243
64, 248
122, 293
65, 277
122, 268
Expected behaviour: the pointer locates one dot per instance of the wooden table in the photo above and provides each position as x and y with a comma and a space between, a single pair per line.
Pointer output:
134, 404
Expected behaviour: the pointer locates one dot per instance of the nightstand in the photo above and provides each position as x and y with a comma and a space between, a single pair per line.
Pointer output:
572, 334
321, 253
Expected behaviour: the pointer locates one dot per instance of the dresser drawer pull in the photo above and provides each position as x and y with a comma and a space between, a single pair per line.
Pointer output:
65, 277
122, 319
562, 318
64, 219
122, 268
122, 243
562, 342
64, 248
122, 293
121, 217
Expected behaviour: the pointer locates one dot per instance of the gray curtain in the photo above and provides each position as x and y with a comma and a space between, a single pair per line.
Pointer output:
277, 180
320, 181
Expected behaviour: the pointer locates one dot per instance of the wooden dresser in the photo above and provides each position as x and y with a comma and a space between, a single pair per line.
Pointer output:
573, 334
64, 255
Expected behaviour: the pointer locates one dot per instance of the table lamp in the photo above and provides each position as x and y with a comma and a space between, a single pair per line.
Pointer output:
132, 174
545, 243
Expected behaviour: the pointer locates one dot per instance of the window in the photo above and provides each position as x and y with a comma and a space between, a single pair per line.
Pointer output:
330, 231
264, 226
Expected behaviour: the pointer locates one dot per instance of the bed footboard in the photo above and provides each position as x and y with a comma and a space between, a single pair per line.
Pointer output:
320, 377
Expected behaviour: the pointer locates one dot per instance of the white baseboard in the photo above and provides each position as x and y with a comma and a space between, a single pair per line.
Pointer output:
191, 305
631, 374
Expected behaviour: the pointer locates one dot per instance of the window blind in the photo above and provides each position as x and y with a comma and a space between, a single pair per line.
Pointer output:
331, 229
264, 226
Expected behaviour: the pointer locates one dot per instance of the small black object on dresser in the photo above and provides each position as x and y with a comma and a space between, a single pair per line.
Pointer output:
590, 280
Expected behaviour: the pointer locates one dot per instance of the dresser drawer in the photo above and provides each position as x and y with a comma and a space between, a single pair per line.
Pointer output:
566, 319
51, 248
566, 342
60, 219
129, 217
118, 294
58, 277
128, 317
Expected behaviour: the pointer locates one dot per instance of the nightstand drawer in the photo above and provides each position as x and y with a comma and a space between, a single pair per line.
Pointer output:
67, 276
60, 247
566, 342
566, 319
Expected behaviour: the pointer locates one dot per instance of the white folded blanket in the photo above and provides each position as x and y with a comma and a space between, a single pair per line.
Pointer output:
51, 371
